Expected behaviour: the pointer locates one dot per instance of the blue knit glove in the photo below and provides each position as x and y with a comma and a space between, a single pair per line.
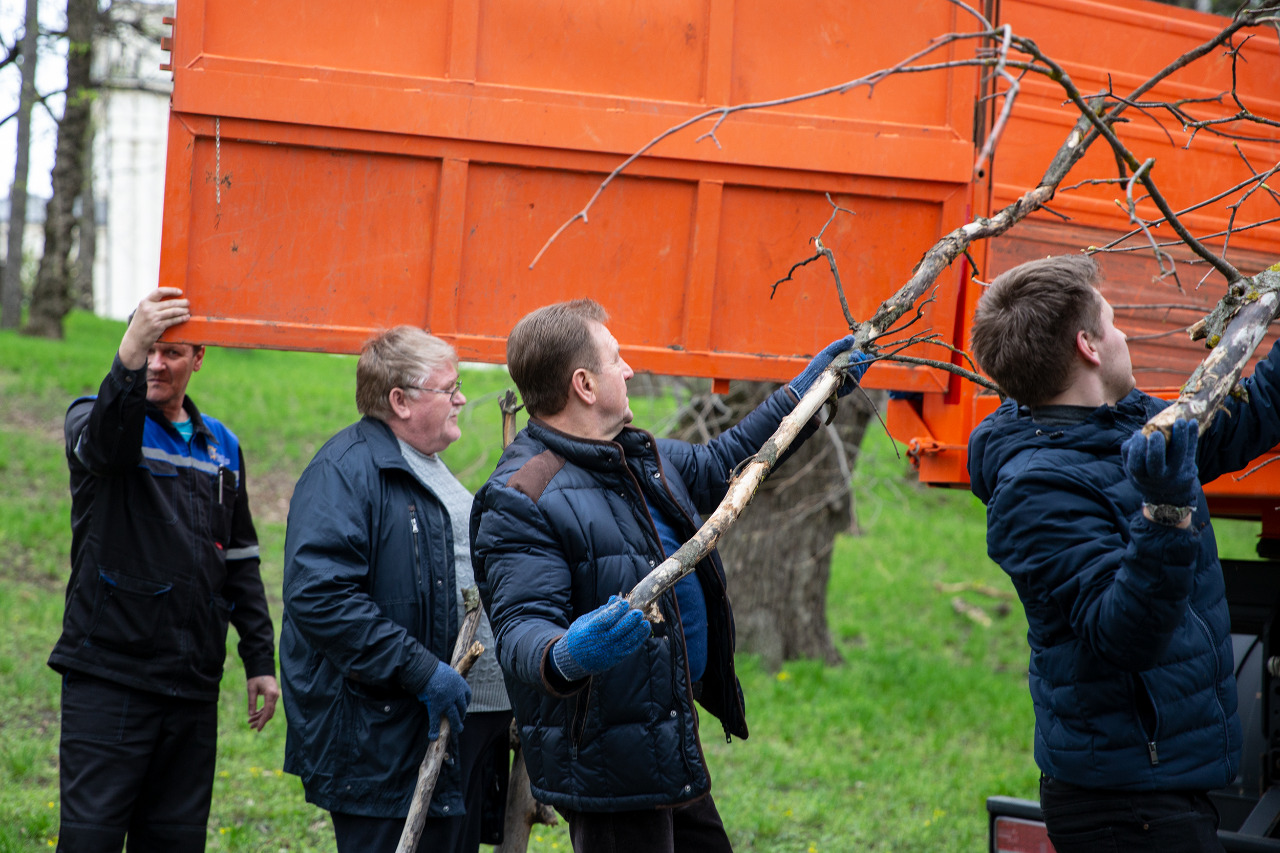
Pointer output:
600, 640
858, 364
447, 694
1163, 472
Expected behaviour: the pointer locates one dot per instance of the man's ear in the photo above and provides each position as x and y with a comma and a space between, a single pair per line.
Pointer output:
1085, 348
583, 386
399, 402
198, 360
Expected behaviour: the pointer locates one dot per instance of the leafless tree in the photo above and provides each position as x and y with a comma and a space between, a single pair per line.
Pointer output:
51, 297
11, 283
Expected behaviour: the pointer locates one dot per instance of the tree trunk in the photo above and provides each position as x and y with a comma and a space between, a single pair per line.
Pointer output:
778, 554
11, 283
51, 298
87, 233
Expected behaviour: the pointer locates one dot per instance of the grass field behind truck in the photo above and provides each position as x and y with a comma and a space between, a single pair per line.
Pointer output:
894, 750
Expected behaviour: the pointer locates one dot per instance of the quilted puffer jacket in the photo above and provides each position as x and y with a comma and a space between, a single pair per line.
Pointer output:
1131, 659
559, 527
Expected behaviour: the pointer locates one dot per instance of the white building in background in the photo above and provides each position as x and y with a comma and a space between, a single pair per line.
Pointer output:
132, 123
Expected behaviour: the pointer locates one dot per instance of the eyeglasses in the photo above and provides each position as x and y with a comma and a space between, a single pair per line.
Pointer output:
453, 391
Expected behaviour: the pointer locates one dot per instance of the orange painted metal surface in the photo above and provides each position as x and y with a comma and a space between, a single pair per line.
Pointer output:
406, 165
332, 174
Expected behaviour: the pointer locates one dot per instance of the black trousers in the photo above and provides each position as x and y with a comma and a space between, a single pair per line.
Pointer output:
692, 828
482, 734
134, 764
1085, 820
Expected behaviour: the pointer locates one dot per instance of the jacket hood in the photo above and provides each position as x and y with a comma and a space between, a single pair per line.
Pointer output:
1010, 431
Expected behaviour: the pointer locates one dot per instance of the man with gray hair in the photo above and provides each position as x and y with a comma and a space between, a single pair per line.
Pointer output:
377, 553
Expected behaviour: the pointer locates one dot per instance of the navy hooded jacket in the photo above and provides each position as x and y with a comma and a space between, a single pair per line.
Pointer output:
1131, 657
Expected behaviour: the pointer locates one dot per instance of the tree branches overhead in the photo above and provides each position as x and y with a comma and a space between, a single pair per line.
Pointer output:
1007, 60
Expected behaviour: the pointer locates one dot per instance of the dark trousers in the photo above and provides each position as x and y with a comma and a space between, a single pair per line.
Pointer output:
1084, 820
692, 828
482, 734
133, 764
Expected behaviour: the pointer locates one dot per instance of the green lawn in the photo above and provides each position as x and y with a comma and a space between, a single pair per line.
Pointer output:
895, 750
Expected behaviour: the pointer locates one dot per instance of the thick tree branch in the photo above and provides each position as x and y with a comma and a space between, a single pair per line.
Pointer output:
1097, 115
1251, 305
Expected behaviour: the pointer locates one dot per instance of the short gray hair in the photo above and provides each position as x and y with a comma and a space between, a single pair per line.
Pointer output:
401, 357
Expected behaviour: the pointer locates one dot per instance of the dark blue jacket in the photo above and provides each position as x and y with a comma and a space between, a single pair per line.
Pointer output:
369, 609
559, 527
163, 549
1131, 658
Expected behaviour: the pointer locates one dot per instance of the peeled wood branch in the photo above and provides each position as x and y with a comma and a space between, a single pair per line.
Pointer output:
943, 253
743, 488
522, 810
465, 653
1096, 118
1251, 305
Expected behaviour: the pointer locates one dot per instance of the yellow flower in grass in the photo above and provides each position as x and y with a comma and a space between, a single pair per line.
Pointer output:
783, 676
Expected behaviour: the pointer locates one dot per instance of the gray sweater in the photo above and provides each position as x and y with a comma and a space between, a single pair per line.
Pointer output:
488, 692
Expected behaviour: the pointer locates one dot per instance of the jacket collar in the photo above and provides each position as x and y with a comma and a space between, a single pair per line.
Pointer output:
189, 406
382, 442
589, 453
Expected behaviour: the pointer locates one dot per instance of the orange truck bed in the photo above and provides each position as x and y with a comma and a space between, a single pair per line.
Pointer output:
331, 174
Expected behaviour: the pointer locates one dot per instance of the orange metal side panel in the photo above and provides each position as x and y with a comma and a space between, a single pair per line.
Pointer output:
407, 165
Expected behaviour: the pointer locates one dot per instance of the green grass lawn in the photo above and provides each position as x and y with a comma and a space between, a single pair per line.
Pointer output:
894, 750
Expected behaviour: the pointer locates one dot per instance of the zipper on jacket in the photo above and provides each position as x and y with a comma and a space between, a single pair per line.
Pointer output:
1217, 666
1145, 707
417, 553
724, 597
578, 724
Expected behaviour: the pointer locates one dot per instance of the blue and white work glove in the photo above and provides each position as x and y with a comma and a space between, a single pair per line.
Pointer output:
858, 364
447, 694
600, 640
1164, 472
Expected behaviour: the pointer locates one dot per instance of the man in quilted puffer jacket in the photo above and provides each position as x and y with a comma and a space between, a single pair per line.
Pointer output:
580, 508
1106, 535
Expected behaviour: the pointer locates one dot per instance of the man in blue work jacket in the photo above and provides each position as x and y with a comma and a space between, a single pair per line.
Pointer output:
164, 556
